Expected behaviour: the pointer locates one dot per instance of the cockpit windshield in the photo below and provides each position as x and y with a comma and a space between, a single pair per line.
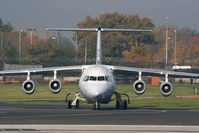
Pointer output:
97, 78
93, 78
86, 78
100, 78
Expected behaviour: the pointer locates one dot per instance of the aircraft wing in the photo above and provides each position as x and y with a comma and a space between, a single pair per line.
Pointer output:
153, 72
39, 70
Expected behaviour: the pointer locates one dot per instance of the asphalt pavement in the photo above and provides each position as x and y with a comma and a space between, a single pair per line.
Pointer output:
108, 115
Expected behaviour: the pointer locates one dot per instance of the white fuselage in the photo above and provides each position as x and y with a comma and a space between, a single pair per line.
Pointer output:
97, 84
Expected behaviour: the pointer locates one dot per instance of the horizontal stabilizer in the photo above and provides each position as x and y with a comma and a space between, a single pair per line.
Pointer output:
125, 30
98, 29
72, 29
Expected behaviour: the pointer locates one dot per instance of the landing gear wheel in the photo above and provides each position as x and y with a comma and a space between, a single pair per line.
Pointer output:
125, 104
69, 104
77, 104
117, 104
96, 106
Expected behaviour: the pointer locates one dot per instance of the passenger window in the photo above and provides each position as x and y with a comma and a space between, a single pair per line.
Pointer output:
85, 78
93, 78
101, 78
108, 78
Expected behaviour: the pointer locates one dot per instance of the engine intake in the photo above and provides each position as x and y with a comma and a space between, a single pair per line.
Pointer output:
139, 87
28, 86
166, 89
55, 86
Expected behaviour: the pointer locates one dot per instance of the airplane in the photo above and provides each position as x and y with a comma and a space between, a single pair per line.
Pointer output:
97, 82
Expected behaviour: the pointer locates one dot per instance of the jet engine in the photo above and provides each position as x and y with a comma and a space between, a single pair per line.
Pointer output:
166, 89
139, 87
55, 86
28, 86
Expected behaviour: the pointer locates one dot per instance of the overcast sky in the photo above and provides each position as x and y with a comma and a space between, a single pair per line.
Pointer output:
67, 13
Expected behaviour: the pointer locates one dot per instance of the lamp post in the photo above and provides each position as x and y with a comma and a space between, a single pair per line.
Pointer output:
1, 37
85, 56
76, 46
58, 38
20, 31
175, 46
166, 64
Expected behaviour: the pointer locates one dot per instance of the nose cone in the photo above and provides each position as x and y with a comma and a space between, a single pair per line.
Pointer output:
97, 94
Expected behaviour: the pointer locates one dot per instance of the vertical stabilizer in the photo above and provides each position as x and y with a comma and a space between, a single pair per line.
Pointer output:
99, 31
99, 46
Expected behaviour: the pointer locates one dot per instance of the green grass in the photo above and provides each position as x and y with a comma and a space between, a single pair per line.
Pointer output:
15, 92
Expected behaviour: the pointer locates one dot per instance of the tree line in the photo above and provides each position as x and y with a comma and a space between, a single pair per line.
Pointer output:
140, 49
34, 50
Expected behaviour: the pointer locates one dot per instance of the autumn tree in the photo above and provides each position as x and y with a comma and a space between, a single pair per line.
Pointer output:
114, 43
36, 36
186, 46
46, 35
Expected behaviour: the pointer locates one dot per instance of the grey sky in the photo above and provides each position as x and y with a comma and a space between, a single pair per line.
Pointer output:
67, 13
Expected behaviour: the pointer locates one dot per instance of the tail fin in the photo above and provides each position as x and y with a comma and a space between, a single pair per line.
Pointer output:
99, 36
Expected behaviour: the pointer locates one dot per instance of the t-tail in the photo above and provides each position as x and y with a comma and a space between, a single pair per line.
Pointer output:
99, 31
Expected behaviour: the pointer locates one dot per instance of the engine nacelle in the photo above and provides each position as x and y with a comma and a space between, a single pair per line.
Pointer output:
139, 87
55, 86
166, 89
28, 86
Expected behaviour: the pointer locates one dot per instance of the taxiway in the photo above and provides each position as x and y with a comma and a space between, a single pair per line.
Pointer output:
108, 115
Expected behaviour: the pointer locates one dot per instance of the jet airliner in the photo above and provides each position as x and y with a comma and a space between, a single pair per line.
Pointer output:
97, 82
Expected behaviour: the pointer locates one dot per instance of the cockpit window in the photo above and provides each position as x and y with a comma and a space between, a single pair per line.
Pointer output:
108, 78
93, 78
85, 78
101, 78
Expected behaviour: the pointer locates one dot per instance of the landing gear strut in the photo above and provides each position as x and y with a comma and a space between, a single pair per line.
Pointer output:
96, 106
121, 104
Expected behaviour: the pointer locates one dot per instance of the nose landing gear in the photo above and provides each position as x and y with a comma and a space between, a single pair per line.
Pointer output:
96, 106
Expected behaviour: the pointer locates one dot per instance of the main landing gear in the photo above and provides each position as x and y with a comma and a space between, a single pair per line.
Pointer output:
120, 103
75, 102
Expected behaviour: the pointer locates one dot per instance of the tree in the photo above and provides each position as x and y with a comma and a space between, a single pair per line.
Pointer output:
114, 43
46, 35
51, 55
5, 27
36, 36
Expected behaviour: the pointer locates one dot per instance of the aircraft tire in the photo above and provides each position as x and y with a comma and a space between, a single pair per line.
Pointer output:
125, 104
69, 104
77, 104
117, 104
